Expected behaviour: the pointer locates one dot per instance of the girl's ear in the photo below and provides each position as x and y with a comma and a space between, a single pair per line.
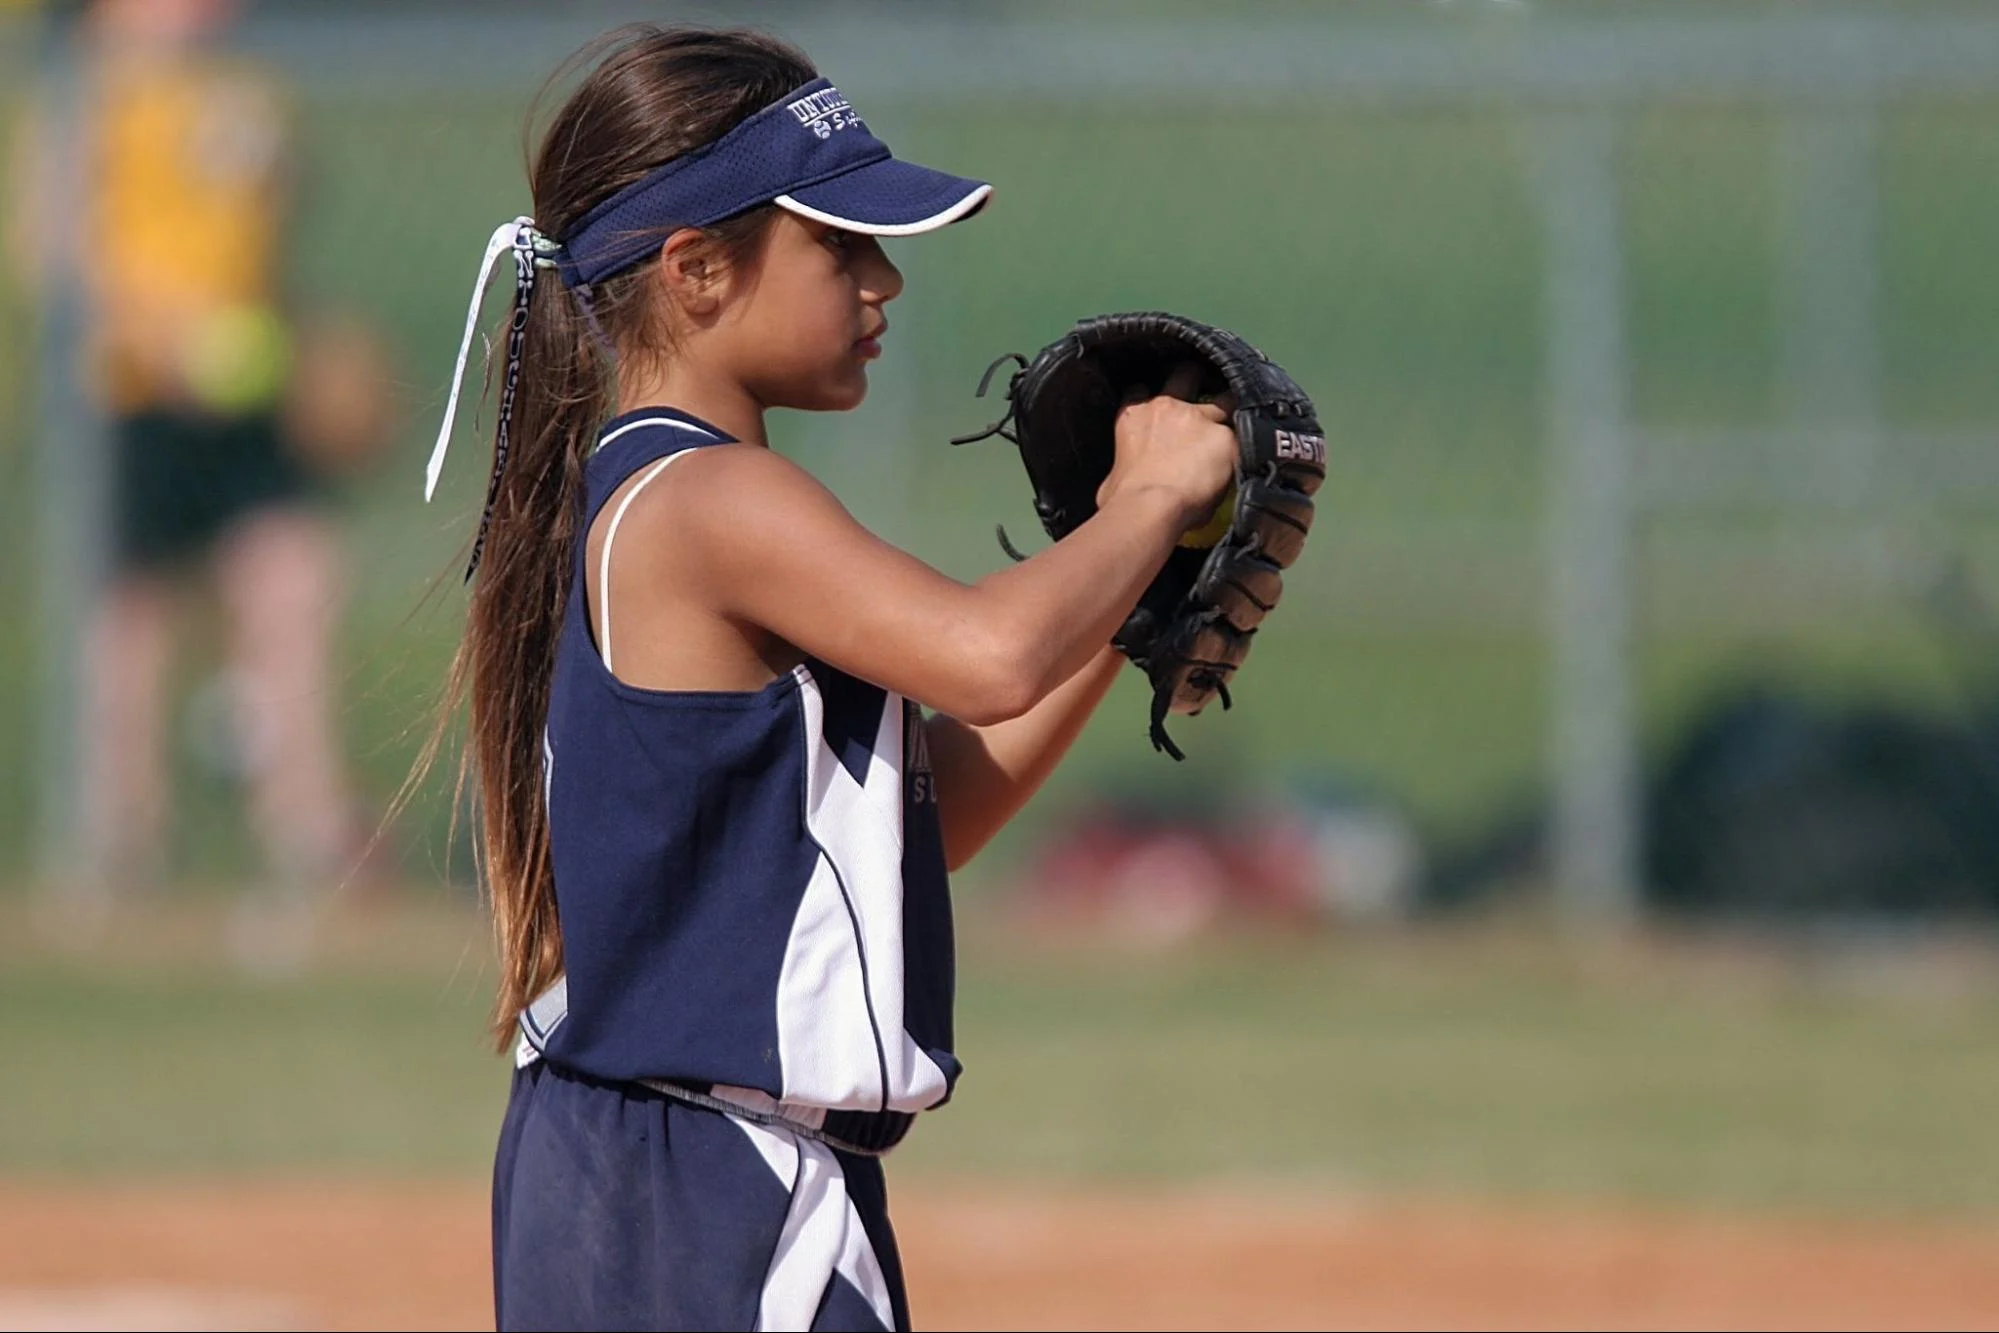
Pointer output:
693, 277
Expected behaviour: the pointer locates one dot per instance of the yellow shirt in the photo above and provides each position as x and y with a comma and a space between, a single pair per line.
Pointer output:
184, 233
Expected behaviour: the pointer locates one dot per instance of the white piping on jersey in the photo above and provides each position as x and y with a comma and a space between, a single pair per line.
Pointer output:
630, 426
611, 535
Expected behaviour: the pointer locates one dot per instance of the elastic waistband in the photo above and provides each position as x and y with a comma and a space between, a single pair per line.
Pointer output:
864, 1133
867, 1133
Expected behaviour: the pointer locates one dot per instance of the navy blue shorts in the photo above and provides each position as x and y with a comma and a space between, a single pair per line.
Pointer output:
616, 1207
180, 479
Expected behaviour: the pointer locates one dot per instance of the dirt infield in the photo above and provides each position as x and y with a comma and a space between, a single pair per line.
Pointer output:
348, 1255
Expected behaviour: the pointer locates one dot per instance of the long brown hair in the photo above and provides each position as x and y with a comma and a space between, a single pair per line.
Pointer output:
650, 94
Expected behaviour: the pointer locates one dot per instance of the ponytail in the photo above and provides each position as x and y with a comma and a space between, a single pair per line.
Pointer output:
652, 94
506, 659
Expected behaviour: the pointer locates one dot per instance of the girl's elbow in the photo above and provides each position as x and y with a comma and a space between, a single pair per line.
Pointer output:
991, 706
1005, 681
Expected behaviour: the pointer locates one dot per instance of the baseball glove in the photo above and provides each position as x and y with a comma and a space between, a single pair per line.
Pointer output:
1192, 627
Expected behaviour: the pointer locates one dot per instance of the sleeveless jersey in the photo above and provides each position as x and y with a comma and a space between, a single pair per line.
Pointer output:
751, 885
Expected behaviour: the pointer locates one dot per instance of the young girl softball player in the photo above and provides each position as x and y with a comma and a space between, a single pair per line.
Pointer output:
727, 742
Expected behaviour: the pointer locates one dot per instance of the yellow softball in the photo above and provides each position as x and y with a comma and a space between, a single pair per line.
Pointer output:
238, 358
1207, 534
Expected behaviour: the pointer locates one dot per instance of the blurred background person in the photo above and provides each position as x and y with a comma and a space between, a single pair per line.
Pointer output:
226, 421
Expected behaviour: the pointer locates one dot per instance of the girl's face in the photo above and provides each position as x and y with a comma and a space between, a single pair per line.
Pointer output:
806, 317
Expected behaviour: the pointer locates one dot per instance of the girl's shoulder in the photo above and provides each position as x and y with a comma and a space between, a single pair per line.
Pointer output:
630, 443
724, 485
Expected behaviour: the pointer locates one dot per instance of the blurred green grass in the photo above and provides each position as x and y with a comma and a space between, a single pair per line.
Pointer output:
1491, 1061
1390, 259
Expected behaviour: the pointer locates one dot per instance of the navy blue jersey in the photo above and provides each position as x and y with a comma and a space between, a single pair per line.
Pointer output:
751, 884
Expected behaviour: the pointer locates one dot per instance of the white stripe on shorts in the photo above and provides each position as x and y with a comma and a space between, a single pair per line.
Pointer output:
823, 1235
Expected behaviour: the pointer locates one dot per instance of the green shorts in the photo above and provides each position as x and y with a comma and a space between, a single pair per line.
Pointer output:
181, 479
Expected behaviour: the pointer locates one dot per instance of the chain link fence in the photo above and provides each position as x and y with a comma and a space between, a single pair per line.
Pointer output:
1655, 343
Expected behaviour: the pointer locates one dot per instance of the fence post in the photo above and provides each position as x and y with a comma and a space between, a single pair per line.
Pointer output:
1830, 349
70, 466
1595, 820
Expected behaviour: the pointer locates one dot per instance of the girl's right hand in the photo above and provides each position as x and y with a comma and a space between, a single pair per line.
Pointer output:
1185, 450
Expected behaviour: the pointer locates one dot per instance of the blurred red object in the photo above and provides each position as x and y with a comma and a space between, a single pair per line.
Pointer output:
1144, 871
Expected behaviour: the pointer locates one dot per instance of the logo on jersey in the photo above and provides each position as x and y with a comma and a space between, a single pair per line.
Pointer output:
916, 756
824, 112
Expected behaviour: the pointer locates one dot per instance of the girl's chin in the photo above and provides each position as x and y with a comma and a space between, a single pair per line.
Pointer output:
848, 390
842, 394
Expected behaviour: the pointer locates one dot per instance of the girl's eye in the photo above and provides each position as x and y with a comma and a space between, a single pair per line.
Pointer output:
839, 239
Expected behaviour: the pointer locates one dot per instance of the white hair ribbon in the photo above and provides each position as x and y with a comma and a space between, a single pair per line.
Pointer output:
519, 235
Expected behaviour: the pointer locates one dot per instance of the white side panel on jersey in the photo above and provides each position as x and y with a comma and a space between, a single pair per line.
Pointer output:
825, 1030
538, 1022
859, 828
825, 1039
823, 1236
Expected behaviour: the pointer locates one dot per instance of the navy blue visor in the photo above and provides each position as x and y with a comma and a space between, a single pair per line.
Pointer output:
809, 153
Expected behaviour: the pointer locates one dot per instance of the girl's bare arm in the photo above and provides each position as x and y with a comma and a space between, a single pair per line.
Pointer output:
760, 542
986, 774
